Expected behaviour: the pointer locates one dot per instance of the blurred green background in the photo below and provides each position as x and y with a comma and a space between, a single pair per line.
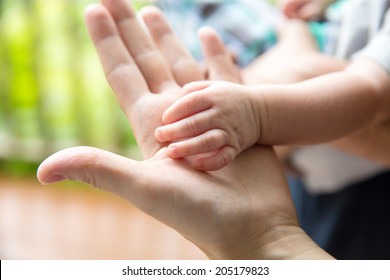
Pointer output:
53, 93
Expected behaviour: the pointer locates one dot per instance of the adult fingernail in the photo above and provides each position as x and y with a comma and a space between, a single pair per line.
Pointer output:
53, 179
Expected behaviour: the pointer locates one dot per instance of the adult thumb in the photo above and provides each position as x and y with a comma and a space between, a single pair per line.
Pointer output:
99, 168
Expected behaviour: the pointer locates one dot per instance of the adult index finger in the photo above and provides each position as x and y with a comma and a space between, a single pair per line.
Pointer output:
120, 69
141, 47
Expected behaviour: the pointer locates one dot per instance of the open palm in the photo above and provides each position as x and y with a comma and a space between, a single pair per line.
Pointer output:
225, 212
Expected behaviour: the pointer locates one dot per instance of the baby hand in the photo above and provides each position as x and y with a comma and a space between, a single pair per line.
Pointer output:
214, 122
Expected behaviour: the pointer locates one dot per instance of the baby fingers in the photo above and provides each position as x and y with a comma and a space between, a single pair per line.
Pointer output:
185, 128
216, 161
186, 106
209, 141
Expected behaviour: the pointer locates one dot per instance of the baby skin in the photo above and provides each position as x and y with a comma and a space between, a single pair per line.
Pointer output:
215, 121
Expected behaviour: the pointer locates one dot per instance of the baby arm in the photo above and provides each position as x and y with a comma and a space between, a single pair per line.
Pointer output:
327, 107
226, 118
215, 121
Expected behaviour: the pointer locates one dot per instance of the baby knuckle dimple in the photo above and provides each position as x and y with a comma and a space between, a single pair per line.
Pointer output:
221, 137
203, 99
184, 106
227, 115
227, 157
219, 95
209, 141
225, 138
221, 159
192, 125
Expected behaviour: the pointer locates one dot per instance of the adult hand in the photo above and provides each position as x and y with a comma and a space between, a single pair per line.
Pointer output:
146, 75
242, 211
304, 9
294, 58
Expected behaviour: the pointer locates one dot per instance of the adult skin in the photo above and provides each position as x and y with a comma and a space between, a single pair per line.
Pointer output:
243, 211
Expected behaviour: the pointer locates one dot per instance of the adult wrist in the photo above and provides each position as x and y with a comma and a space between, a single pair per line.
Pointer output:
286, 242
290, 242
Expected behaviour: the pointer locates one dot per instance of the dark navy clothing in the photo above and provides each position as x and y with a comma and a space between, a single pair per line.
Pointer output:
353, 223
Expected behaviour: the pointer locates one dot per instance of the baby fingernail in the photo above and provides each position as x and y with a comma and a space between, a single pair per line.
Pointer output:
172, 151
158, 135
